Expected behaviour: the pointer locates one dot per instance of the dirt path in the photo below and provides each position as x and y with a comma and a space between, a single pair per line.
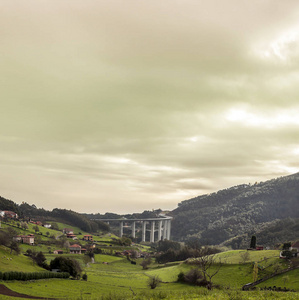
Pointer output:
4, 290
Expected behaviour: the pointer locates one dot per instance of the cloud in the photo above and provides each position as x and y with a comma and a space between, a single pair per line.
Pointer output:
131, 106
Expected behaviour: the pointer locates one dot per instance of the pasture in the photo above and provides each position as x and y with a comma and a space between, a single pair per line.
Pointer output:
112, 277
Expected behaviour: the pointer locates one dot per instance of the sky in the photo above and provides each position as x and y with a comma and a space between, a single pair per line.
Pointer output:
126, 106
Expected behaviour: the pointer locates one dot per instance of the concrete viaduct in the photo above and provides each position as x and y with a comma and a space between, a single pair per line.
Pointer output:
161, 225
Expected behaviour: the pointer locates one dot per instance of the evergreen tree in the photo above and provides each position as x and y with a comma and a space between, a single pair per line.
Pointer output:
253, 242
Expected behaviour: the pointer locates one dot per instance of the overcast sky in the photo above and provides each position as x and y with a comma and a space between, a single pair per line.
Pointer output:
125, 106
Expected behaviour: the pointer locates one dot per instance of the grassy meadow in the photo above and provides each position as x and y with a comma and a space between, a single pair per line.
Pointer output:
114, 277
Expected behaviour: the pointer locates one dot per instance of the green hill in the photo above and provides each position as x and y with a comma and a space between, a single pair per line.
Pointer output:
240, 211
11, 262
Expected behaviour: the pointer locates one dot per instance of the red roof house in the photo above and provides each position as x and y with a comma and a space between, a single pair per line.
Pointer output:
295, 246
75, 249
88, 237
68, 231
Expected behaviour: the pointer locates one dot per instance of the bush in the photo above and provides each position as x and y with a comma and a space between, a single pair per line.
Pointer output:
66, 264
84, 277
154, 281
145, 263
194, 276
181, 277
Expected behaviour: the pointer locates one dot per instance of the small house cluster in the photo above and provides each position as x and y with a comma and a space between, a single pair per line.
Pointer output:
8, 214
39, 223
25, 239
77, 249
290, 250
70, 235
88, 238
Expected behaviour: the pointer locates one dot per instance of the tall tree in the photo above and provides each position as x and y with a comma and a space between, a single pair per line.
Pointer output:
253, 242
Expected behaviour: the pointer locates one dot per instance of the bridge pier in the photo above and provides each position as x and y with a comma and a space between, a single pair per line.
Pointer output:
133, 229
160, 230
163, 227
143, 231
121, 228
152, 236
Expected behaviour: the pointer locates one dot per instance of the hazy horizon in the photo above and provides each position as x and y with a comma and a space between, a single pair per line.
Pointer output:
130, 106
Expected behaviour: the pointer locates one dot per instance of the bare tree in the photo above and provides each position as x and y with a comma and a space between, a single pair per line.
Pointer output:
154, 281
245, 256
209, 266
145, 263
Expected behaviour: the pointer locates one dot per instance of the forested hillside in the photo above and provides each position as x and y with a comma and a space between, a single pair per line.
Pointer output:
239, 210
25, 210
6, 204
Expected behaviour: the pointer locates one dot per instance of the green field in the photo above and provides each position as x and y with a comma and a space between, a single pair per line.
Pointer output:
12, 262
114, 277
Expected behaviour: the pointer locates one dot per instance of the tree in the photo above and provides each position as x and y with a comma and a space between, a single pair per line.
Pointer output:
194, 276
287, 254
253, 242
245, 256
209, 266
154, 281
166, 245
67, 264
84, 276
134, 254
145, 263
286, 246
193, 243
24, 225
14, 247
54, 226
36, 229
39, 258
86, 259
125, 241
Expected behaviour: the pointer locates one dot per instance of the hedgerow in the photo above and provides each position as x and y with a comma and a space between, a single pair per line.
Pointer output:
24, 276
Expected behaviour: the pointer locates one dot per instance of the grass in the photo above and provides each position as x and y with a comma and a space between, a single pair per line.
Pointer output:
17, 262
290, 280
119, 279
235, 256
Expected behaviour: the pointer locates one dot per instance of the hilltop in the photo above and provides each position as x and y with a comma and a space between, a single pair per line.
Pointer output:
233, 214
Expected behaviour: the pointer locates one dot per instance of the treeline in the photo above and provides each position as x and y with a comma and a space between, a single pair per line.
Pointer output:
6, 204
269, 234
62, 215
79, 220
144, 215
170, 251
24, 276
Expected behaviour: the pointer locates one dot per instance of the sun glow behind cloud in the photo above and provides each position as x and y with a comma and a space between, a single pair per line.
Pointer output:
283, 48
249, 117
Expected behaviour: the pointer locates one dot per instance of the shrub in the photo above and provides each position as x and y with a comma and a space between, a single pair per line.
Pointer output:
145, 263
193, 276
181, 277
84, 277
154, 281
66, 264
